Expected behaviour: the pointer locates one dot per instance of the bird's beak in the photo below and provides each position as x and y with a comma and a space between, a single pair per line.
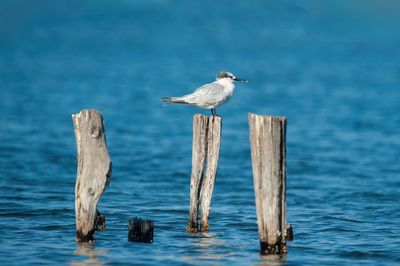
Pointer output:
238, 79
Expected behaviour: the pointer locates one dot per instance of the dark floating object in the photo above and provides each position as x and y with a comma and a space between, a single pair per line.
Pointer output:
141, 230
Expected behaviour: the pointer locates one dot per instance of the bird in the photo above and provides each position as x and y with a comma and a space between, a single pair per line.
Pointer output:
211, 95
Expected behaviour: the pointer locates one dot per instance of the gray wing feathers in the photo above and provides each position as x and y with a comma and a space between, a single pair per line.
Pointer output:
205, 95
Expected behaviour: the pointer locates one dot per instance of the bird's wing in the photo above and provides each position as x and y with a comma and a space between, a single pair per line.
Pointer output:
214, 86
210, 92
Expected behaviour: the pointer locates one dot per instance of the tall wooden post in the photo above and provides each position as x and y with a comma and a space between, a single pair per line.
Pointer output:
206, 144
94, 171
199, 153
214, 142
268, 154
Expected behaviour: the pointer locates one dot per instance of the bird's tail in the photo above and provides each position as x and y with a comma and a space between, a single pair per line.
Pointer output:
174, 100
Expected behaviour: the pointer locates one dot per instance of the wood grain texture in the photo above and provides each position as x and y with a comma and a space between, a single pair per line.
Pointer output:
199, 152
94, 170
268, 154
214, 142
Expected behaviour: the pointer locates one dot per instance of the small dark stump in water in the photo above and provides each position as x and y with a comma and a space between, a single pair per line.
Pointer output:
140, 230
289, 232
100, 221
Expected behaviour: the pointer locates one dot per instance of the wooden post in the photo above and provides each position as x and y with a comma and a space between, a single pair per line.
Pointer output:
214, 141
206, 136
141, 230
199, 152
268, 154
94, 171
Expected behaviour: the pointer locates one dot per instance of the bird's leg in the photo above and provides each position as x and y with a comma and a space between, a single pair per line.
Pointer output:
212, 111
215, 112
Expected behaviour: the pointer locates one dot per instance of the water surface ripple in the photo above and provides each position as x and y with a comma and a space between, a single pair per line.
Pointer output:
337, 83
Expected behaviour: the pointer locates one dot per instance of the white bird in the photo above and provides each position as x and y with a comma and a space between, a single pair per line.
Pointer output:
210, 95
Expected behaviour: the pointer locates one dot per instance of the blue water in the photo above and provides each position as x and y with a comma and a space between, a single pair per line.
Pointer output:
332, 69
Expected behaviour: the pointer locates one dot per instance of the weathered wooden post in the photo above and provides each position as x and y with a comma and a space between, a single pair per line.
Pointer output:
94, 172
206, 144
199, 153
268, 154
214, 141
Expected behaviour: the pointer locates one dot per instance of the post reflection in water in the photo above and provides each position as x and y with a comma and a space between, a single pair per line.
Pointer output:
207, 247
272, 260
88, 249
